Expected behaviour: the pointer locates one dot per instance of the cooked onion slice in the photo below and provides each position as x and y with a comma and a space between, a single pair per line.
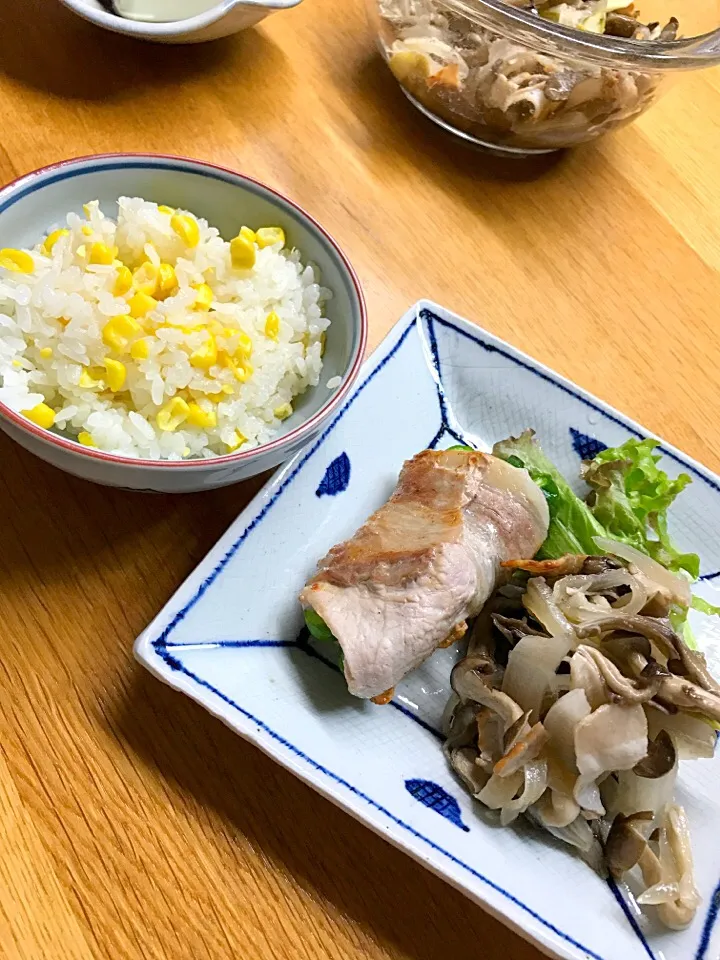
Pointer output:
581, 598
670, 876
677, 585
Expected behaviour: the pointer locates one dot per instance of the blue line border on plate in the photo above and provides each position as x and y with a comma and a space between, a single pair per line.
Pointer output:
709, 924
431, 317
622, 903
301, 644
176, 665
161, 645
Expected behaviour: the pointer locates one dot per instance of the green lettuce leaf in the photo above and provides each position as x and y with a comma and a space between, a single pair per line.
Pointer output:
678, 617
631, 496
629, 500
572, 524
704, 607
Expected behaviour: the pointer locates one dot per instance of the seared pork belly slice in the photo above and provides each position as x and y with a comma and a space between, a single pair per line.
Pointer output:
424, 562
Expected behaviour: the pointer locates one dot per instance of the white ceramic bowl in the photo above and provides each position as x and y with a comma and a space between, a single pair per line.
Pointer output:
226, 17
41, 200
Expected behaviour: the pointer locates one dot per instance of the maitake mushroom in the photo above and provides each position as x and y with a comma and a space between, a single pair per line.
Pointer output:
573, 706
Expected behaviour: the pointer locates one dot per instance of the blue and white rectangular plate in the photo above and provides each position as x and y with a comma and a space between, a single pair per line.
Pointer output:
228, 638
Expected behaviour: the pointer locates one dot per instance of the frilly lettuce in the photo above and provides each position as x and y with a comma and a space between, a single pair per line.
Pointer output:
631, 496
629, 499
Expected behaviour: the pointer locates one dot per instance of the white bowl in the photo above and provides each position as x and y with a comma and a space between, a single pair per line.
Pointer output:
226, 17
32, 205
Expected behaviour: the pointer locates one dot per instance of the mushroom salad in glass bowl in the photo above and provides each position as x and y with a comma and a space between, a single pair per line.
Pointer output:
533, 76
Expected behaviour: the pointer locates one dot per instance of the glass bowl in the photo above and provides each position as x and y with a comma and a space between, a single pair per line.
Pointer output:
505, 78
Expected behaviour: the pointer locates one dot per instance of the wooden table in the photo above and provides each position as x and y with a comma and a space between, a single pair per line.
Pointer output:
132, 824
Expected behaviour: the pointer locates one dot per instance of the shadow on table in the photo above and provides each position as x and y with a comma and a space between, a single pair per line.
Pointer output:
46, 47
392, 119
73, 537
304, 837
532, 204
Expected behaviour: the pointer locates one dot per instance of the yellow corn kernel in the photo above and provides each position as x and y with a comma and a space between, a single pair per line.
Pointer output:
86, 439
248, 234
283, 411
17, 364
237, 442
172, 414
243, 371
203, 296
42, 415
140, 350
163, 209
145, 279
123, 281
244, 347
141, 303
242, 253
193, 327
46, 352
115, 374
186, 228
227, 390
215, 397
118, 332
267, 236
87, 381
87, 229
52, 239
272, 325
205, 356
19, 261
206, 419
101, 253
167, 281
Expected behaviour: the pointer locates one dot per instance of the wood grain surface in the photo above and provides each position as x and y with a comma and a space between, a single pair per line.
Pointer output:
132, 824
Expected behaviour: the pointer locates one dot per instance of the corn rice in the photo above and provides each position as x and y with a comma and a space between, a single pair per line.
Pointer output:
152, 337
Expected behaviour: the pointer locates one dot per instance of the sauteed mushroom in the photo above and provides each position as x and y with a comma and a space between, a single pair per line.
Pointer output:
596, 708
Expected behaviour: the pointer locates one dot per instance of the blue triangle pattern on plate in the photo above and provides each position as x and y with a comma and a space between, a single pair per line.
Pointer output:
337, 477
434, 797
586, 447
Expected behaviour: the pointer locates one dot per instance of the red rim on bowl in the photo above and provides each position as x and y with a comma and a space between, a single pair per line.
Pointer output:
305, 428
